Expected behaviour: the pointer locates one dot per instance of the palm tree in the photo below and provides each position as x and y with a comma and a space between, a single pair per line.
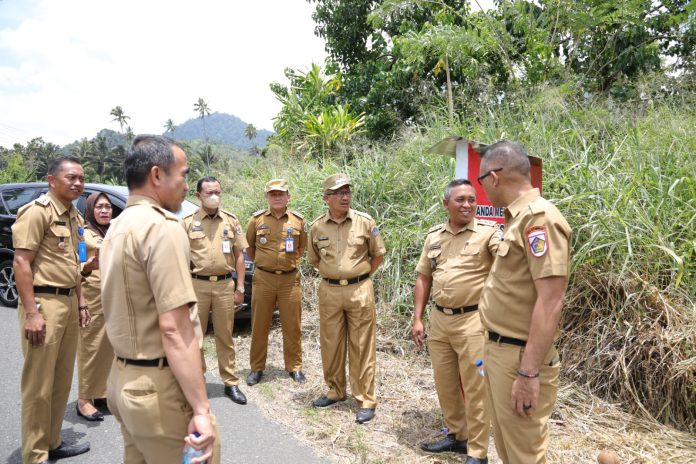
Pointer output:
82, 150
250, 133
201, 107
169, 126
130, 135
120, 117
99, 157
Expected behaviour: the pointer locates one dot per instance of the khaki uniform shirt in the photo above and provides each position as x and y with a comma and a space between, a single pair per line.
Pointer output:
267, 234
94, 241
536, 244
144, 261
207, 234
47, 227
345, 250
459, 262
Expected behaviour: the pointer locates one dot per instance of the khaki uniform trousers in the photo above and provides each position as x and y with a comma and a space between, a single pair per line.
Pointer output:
153, 413
94, 354
269, 289
519, 439
47, 376
347, 314
218, 297
455, 342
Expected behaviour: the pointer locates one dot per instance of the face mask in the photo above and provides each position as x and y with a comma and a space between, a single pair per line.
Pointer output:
211, 202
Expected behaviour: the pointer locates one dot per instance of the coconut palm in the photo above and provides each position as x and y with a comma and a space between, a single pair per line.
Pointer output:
201, 107
250, 133
169, 126
120, 117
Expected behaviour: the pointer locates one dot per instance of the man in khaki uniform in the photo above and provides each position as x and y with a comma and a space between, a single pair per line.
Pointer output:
217, 250
156, 389
521, 306
277, 238
455, 261
51, 309
346, 248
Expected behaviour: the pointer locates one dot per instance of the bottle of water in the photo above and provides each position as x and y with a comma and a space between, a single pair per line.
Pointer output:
190, 452
479, 365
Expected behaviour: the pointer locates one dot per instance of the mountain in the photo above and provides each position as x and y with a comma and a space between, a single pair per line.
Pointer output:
221, 128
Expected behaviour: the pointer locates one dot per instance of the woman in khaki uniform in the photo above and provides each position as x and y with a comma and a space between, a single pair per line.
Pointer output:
94, 352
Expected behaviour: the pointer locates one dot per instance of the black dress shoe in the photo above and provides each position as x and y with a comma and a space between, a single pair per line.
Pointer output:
99, 402
473, 460
449, 443
254, 377
323, 402
364, 415
96, 416
235, 394
297, 376
68, 451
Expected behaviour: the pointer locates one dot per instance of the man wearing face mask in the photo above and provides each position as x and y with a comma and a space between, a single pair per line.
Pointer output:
217, 245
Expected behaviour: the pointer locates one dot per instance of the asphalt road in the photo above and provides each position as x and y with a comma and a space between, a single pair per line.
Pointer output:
247, 436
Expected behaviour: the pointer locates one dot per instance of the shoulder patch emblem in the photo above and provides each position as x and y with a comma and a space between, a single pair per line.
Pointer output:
538, 240
238, 229
259, 212
375, 231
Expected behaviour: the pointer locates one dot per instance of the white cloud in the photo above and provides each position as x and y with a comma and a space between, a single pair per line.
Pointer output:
65, 65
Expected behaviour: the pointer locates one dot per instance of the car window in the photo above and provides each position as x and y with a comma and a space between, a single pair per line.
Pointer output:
16, 198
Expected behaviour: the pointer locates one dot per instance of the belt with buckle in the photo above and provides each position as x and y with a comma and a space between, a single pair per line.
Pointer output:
452, 311
276, 272
53, 290
160, 362
213, 278
497, 338
344, 282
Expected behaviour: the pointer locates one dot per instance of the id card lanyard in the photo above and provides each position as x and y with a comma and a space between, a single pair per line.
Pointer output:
289, 242
81, 245
226, 242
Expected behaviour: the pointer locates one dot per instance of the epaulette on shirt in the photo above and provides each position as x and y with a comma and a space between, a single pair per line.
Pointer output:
365, 215
435, 228
187, 216
43, 200
487, 222
320, 217
297, 214
536, 206
166, 213
259, 212
229, 214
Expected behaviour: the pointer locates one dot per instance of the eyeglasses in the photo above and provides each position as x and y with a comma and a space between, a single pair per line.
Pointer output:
488, 173
345, 193
103, 207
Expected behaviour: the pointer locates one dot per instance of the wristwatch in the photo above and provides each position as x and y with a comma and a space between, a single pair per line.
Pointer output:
240, 290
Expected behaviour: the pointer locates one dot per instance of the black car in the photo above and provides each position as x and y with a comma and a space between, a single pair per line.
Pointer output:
14, 196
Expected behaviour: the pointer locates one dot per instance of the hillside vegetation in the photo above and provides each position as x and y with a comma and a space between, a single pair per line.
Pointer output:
622, 173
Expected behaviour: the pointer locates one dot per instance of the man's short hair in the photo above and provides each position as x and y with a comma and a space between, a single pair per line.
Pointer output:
509, 155
203, 180
56, 164
455, 183
145, 152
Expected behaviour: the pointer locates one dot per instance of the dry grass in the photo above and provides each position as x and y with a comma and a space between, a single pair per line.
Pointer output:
408, 411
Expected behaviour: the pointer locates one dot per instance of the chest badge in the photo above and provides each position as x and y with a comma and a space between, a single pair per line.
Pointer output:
263, 240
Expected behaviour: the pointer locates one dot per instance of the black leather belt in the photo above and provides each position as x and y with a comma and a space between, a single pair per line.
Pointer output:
145, 362
276, 272
452, 311
212, 278
344, 282
53, 290
497, 338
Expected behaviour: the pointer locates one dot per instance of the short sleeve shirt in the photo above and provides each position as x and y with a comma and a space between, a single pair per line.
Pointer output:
459, 262
267, 234
144, 261
207, 234
344, 250
48, 228
536, 244
92, 282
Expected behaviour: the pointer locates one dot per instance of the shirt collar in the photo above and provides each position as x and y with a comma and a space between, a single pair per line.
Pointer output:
58, 205
514, 208
470, 226
350, 216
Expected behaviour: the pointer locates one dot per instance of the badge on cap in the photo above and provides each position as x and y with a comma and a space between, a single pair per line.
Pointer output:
263, 240
538, 242
375, 231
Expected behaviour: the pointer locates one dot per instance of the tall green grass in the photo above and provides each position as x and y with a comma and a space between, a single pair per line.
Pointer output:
623, 175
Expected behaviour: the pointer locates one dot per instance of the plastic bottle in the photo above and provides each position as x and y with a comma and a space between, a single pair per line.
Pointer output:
479, 365
191, 452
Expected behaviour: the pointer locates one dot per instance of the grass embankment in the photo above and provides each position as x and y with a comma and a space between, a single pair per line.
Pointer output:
623, 176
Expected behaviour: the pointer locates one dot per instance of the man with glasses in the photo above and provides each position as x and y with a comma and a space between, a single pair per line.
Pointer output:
346, 248
217, 250
455, 262
521, 305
